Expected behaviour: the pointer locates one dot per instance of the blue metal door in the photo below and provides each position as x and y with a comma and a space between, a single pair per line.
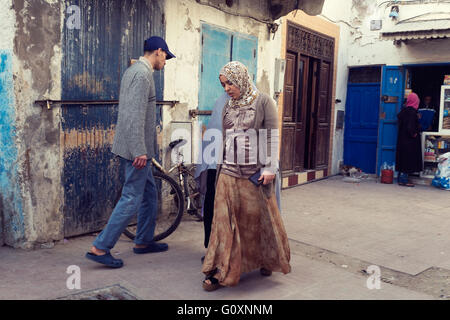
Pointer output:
361, 126
216, 52
244, 50
220, 46
95, 57
392, 93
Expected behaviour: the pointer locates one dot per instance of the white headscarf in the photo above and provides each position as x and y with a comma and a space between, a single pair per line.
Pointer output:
238, 75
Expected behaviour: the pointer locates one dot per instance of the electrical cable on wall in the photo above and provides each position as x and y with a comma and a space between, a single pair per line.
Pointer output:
423, 14
339, 21
392, 2
234, 14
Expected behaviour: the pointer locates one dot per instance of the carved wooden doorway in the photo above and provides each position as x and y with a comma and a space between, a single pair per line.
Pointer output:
307, 100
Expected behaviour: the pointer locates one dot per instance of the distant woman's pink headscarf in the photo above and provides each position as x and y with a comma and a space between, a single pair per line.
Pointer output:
413, 101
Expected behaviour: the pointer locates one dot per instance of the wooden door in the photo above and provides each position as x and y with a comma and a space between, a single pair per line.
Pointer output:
307, 100
311, 114
322, 115
288, 129
300, 124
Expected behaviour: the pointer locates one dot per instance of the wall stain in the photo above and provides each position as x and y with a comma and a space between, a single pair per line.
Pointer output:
36, 41
38, 29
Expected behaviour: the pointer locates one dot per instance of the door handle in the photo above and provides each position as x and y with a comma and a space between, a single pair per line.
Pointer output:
389, 99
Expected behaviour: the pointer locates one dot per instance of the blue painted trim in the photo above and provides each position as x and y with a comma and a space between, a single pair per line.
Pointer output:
9, 176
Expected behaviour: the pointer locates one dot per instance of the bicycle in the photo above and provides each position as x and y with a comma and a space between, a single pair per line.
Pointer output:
173, 195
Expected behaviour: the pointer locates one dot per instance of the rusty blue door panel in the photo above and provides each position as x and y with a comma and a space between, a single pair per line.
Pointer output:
94, 60
216, 52
393, 87
220, 46
245, 50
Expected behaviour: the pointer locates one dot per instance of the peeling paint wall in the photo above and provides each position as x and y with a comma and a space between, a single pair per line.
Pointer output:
11, 206
257, 8
36, 70
365, 47
183, 35
10, 195
341, 94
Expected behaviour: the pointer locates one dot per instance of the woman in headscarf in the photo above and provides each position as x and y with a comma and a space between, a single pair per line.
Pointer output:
206, 171
247, 231
409, 148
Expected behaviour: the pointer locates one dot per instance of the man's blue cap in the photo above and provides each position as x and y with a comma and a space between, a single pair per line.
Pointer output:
154, 43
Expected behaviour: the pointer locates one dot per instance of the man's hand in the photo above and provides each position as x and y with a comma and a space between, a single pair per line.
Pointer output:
140, 162
267, 176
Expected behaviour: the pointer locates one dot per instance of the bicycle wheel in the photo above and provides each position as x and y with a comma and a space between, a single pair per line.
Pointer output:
170, 208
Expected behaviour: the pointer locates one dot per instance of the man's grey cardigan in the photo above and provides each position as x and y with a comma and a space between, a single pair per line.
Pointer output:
136, 124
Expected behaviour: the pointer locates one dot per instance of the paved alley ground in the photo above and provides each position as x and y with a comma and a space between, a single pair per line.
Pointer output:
338, 233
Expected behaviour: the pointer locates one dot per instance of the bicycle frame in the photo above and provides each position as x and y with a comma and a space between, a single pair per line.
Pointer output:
182, 177
158, 166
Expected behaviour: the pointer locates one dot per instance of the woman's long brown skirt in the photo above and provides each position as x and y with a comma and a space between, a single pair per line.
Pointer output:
247, 231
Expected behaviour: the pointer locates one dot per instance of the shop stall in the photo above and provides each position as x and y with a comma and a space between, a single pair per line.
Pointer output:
436, 143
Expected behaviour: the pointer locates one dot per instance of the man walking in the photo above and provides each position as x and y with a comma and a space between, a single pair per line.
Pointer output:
134, 144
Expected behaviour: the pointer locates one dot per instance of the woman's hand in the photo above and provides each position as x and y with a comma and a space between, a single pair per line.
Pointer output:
267, 176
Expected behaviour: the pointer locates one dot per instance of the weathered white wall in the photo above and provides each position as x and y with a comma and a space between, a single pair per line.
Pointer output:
329, 9
366, 47
31, 32
183, 35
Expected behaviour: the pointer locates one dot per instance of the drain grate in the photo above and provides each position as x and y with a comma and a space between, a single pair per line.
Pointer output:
115, 292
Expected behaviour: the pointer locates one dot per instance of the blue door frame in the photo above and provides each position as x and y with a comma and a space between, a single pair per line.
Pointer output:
361, 126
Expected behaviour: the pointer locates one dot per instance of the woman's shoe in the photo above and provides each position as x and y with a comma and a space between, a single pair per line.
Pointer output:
212, 285
407, 184
264, 272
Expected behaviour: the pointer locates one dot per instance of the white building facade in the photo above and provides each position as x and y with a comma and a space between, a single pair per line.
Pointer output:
388, 49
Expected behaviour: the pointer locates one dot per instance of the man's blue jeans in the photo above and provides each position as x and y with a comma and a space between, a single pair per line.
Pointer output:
139, 195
